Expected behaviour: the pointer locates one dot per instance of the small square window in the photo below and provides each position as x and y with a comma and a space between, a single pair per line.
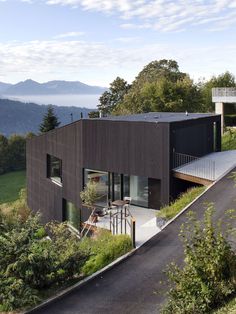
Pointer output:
54, 169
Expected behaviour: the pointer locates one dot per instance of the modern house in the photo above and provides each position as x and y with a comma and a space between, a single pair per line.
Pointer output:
126, 155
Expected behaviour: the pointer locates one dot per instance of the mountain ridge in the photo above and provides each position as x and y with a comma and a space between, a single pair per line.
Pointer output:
31, 87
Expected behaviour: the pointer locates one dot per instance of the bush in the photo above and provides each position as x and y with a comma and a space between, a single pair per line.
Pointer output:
30, 262
209, 274
104, 248
229, 139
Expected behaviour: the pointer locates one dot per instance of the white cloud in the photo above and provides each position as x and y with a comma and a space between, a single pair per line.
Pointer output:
69, 34
98, 63
162, 15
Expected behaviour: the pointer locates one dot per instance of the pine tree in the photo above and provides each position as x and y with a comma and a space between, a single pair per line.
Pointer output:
50, 121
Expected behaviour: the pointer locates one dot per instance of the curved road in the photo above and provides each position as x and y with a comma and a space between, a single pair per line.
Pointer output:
134, 286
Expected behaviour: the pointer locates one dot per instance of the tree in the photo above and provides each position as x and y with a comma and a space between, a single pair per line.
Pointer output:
93, 114
226, 79
160, 86
16, 152
3, 154
50, 121
110, 99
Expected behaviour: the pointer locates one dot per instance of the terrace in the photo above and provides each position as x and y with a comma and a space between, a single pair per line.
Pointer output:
204, 170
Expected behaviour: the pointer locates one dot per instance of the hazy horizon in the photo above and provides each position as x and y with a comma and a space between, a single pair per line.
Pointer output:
76, 100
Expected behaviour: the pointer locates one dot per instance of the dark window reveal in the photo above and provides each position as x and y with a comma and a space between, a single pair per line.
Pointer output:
54, 169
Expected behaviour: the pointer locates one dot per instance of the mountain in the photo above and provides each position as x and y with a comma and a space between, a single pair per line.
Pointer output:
20, 118
30, 87
4, 86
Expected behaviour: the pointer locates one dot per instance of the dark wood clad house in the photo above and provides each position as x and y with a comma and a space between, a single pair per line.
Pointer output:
126, 155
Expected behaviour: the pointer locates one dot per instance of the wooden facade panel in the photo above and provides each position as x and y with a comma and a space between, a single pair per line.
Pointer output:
122, 147
133, 148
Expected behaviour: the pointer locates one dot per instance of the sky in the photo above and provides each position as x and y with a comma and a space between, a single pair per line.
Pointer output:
94, 41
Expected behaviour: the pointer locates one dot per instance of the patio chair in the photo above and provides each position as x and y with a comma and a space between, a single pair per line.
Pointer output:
128, 199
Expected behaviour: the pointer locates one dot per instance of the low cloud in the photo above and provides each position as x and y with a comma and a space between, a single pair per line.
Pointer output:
69, 35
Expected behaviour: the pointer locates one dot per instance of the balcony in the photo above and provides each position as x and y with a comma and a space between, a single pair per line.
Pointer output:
224, 95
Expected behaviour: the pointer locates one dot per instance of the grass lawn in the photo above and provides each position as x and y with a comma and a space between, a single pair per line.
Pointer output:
186, 198
10, 185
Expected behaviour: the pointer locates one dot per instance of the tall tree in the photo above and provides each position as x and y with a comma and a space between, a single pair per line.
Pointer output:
110, 99
160, 86
16, 152
50, 121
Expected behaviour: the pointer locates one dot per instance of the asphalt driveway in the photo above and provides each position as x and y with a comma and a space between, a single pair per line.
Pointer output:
136, 285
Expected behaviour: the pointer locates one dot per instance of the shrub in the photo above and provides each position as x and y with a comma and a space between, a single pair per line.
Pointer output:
229, 139
89, 195
104, 248
30, 262
209, 274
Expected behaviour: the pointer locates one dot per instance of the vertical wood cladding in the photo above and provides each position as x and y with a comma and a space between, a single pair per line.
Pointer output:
133, 148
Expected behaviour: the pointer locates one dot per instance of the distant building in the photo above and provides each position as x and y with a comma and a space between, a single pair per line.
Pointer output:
126, 155
222, 96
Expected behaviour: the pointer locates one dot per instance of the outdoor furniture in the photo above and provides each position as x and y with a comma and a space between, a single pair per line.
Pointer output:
127, 199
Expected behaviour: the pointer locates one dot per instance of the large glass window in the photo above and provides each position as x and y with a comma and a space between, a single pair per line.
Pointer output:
54, 169
101, 178
71, 214
137, 188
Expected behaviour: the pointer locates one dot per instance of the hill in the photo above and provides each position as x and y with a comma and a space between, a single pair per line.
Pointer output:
20, 118
30, 87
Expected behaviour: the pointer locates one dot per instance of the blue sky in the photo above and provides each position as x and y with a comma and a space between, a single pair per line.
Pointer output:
94, 41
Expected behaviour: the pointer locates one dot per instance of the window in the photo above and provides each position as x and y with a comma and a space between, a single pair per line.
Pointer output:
54, 169
71, 214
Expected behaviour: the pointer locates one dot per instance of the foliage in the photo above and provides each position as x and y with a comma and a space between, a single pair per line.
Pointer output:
209, 274
17, 210
50, 121
104, 248
93, 114
89, 195
160, 86
186, 198
229, 139
226, 79
13, 153
112, 98
30, 262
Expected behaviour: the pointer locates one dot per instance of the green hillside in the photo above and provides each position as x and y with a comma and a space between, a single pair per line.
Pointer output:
10, 185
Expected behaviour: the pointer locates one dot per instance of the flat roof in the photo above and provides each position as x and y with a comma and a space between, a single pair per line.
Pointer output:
159, 117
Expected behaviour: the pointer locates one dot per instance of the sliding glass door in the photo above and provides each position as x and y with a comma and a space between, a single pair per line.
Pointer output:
102, 180
116, 186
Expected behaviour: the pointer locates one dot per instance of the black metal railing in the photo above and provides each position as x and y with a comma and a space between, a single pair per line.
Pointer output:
122, 222
197, 167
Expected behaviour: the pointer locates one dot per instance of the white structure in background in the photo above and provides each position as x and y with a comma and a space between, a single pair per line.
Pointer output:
220, 96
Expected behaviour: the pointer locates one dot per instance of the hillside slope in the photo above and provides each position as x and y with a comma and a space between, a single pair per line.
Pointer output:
18, 117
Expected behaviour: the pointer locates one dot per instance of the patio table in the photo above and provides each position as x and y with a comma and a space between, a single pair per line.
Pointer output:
118, 203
